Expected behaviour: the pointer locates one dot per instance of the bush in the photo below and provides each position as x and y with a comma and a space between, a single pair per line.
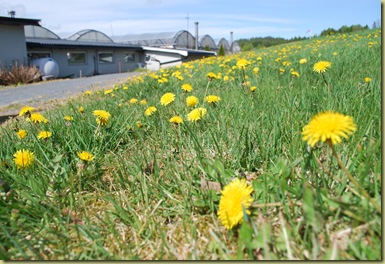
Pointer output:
19, 74
221, 51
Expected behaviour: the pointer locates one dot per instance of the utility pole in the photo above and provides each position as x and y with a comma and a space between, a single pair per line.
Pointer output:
188, 18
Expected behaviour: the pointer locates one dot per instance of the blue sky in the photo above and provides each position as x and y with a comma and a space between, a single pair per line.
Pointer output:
245, 18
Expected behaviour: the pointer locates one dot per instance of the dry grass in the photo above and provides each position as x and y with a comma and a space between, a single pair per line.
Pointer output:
19, 74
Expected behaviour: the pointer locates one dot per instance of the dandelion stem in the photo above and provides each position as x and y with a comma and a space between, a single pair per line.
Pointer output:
277, 204
207, 87
351, 178
334, 177
327, 84
244, 77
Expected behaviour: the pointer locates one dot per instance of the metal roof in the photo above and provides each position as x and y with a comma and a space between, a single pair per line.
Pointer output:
65, 43
18, 21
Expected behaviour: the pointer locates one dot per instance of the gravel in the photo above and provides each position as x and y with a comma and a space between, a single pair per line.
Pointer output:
43, 94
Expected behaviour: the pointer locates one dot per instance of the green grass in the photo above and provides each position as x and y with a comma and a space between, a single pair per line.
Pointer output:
142, 197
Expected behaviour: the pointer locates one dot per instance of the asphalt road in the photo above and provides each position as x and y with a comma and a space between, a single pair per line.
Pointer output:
43, 94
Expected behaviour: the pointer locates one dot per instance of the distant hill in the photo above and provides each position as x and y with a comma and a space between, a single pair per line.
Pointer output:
263, 42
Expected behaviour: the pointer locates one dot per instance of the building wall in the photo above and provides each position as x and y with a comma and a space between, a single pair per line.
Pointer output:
12, 45
162, 60
91, 66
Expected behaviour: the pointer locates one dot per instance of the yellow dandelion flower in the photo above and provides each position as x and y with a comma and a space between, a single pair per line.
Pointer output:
26, 111
294, 73
167, 98
256, 70
302, 61
212, 99
85, 156
235, 196
176, 120
81, 109
68, 118
286, 63
242, 63
226, 78
368, 80
150, 110
211, 75
23, 158
191, 101
139, 124
21, 133
328, 126
253, 88
196, 114
133, 100
163, 80
321, 66
108, 91
143, 102
87, 93
44, 135
186, 87
102, 117
37, 118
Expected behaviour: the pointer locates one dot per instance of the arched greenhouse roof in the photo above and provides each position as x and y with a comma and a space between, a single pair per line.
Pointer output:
90, 35
223, 42
39, 32
235, 48
177, 39
207, 40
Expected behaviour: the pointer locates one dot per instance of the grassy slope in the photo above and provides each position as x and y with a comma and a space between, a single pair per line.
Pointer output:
142, 196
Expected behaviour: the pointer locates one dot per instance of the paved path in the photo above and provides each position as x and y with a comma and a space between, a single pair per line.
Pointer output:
43, 93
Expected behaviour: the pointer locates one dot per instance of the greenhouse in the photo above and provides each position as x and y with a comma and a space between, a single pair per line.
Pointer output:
224, 43
235, 48
179, 39
207, 42
39, 32
90, 35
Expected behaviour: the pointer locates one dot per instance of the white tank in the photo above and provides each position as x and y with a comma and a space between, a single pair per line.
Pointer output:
47, 67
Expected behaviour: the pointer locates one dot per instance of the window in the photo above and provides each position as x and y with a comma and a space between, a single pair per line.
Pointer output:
129, 57
106, 57
38, 54
76, 57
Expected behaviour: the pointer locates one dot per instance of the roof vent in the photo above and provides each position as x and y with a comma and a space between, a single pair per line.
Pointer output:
12, 13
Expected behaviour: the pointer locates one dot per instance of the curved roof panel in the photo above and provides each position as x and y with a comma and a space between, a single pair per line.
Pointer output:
207, 40
223, 42
90, 35
39, 32
235, 48
178, 39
